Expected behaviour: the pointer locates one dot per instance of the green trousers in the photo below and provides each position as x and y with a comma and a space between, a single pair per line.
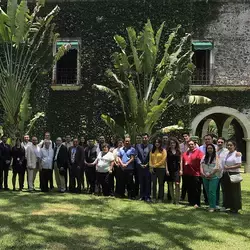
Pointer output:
211, 187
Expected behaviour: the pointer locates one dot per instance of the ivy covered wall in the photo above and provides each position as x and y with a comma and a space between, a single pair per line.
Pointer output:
236, 99
96, 22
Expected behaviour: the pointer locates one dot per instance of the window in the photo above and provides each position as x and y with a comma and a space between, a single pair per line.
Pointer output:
67, 68
202, 59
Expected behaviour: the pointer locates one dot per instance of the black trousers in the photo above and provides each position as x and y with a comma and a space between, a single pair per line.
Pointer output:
119, 179
20, 178
91, 177
103, 180
145, 182
137, 182
158, 175
75, 179
44, 178
193, 184
184, 187
4, 172
82, 177
127, 182
51, 180
231, 192
112, 182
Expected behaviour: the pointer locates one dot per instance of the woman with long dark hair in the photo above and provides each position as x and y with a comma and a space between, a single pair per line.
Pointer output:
19, 164
157, 163
83, 142
232, 191
174, 169
210, 171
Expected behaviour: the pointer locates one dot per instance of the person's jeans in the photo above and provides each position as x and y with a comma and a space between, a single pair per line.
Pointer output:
158, 175
145, 182
211, 189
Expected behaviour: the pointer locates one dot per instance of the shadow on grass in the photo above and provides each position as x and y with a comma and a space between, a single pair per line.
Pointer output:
66, 221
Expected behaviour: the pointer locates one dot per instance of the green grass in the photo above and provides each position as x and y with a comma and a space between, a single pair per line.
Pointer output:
71, 221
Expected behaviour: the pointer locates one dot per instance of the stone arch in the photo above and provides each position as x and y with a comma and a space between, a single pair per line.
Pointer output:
241, 118
205, 127
226, 127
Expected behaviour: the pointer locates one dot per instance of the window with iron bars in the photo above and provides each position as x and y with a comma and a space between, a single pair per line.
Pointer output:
67, 68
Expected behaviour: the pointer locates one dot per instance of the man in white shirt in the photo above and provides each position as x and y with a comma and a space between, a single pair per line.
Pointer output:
51, 146
47, 155
26, 142
184, 145
208, 139
68, 142
33, 162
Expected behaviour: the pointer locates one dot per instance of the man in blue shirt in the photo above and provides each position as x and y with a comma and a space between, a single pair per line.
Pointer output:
126, 158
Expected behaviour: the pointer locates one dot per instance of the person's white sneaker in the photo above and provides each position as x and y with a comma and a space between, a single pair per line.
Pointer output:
217, 207
222, 209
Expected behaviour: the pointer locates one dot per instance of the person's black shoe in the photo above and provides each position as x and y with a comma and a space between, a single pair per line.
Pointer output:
6, 189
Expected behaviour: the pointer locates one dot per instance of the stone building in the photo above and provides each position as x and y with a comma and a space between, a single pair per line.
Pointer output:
221, 34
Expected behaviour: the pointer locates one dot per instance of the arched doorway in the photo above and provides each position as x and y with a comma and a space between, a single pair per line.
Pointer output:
225, 116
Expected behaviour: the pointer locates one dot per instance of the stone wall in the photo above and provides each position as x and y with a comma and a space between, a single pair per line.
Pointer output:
231, 35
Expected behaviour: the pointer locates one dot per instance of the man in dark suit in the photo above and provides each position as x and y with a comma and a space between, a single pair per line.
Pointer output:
76, 160
90, 157
60, 164
5, 159
142, 164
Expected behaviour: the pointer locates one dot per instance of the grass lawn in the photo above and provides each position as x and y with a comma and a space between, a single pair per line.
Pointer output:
71, 221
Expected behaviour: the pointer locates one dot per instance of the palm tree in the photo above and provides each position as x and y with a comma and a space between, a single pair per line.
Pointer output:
148, 78
26, 41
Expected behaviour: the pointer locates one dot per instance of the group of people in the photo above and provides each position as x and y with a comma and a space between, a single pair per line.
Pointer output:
118, 168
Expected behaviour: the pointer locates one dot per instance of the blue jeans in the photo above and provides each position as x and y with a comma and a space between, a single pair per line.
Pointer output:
211, 186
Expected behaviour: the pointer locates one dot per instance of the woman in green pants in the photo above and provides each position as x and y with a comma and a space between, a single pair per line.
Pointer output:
210, 171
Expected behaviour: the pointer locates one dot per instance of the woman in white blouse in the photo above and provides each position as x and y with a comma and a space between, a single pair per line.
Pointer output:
104, 166
232, 191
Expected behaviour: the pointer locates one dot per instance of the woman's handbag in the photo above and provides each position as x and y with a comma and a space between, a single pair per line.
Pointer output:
235, 178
